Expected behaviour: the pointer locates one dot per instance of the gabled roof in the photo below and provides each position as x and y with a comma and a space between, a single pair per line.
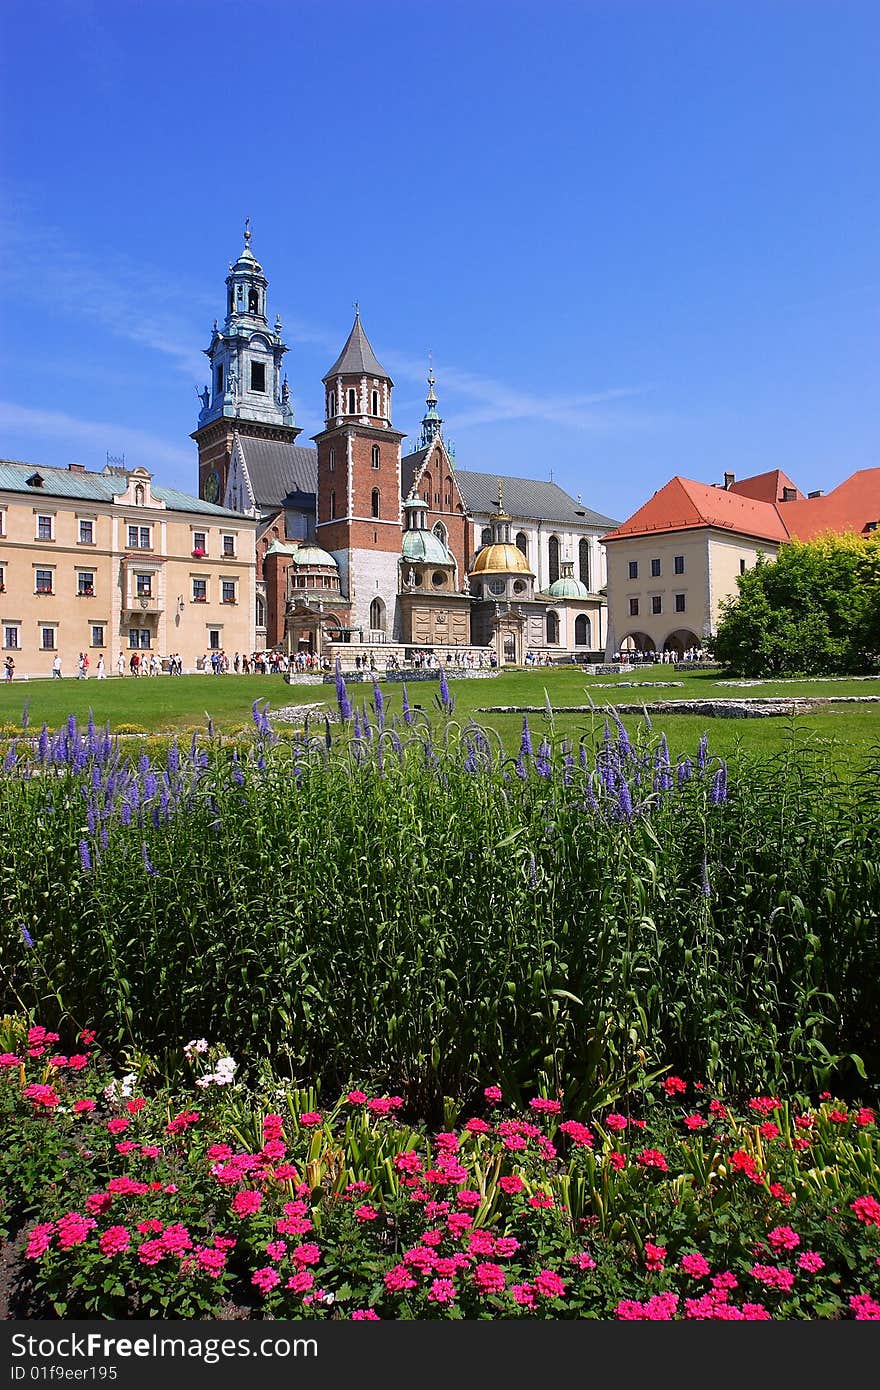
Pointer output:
357, 358
849, 507
410, 467
526, 499
98, 487
276, 469
684, 505
765, 487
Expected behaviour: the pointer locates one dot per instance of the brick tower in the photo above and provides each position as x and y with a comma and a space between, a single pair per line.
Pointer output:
359, 512
247, 395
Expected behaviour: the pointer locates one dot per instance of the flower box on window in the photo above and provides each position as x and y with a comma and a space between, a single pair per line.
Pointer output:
200, 598
87, 592
228, 600
198, 552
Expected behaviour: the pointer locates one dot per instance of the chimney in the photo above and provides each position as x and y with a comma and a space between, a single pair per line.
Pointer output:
76, 468
789, 494
817, 492
729, 480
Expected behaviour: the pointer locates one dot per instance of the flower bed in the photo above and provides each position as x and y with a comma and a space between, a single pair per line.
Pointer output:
224, 1202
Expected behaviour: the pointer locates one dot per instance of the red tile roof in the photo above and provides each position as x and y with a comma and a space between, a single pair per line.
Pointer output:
685, 505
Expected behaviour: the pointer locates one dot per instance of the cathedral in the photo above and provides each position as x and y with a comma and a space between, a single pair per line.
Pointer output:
362, 545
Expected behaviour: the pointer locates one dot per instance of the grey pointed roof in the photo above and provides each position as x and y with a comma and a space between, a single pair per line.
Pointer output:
276, 469
409, 467
357, 358
527, 499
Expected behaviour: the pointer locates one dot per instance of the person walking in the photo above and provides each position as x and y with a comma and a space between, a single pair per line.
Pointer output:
81, 668
10, 669
120, 664
135, 664
99, 669
56, 667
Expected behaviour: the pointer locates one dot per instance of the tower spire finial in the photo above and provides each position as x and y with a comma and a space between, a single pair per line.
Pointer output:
247, 233
431, 420
357, 308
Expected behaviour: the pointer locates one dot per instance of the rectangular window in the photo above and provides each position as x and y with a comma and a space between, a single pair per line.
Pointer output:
656, 603
10, 639
200, 590
679, 603
229, 546
2, 521
742, 566
47, 639
678, 564
633, 608
331, 460
97, 635
2, 579
655, 569
145, 538
44, 582
144, 585
220, 380
214, 638
44, 528
87, 533
228, 594
139, 538
258, 376
633, 569
200, 541
138, 637
85, 582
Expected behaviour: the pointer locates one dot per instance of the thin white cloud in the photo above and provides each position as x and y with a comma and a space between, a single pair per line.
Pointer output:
140, 447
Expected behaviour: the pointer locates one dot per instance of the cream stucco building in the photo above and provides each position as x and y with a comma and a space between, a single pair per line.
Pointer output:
110, 563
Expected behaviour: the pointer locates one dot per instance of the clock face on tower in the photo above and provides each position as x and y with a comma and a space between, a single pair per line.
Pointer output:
212, 486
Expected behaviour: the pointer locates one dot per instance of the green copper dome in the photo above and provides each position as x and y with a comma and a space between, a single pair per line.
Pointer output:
305, 556
569, 587
425, 546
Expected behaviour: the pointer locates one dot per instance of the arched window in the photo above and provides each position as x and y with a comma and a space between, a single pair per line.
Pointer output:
261, 612
331, 404
332, 505
582, 630
426, 488
253, 302
331, 460
584, 562
486, 536
377, 615
553, 552
375, 403
375, 501
440, 532
552, 628
522, 543
375, 454
352, 401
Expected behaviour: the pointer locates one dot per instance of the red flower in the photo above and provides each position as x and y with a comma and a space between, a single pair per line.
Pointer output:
674, 1086
867, 1209
653, 1158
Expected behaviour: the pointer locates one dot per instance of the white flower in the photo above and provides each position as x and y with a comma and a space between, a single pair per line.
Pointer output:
197, 1045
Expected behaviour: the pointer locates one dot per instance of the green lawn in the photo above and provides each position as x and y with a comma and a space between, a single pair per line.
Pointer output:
163, 703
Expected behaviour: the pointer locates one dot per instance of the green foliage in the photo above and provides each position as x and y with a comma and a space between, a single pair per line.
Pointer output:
814, 610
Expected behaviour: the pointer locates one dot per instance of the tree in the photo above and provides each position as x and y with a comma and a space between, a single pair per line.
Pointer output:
814, 610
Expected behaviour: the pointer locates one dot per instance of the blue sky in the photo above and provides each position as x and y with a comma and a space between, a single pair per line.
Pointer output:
640, 238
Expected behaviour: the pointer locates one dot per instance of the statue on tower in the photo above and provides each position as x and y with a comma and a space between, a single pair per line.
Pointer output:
204, 397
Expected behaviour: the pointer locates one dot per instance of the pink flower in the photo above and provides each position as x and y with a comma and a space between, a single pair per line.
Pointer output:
545, 1107
266, 1279
213, 1262
805, 1121
117, 1126
511, 1185
653, 1158
764, 1105
247, 1202
674, 1086
617, 1160
493, 1094
135, 1105
73, 1229
150, 1151
695, 1122
867, 1209
514, 1142
717, 1110
523, 1294
810, 1261
441, 1291
276, 1250
301, 1282
114, 1240
506, 1246
39, 1239
542, 1201
126, 1146
489, 1278
696, 1265
579, 1134
774, 1276
655, 1256
477, 1126
725, 1281
97, 1202
365, 1213
616, 1122
864, 1116
310, 1119
273, 1150
768, 1130
468, 1198
43, 1097
357, 1097
82, 1107
9, 1059
398, 1279
865, 1308
308, 1254
583, 1260
458, 1222
151, 1252
661, 1308
408, 1162
183, 1121
548, 1284
783, 1238
838, 1117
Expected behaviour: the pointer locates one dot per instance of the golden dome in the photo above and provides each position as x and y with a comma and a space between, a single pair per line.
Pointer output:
500, 558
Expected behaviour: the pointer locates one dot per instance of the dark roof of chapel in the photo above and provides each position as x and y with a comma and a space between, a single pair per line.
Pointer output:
276, 469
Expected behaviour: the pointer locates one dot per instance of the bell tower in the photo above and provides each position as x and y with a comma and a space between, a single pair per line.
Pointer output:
359, 513
247, 393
